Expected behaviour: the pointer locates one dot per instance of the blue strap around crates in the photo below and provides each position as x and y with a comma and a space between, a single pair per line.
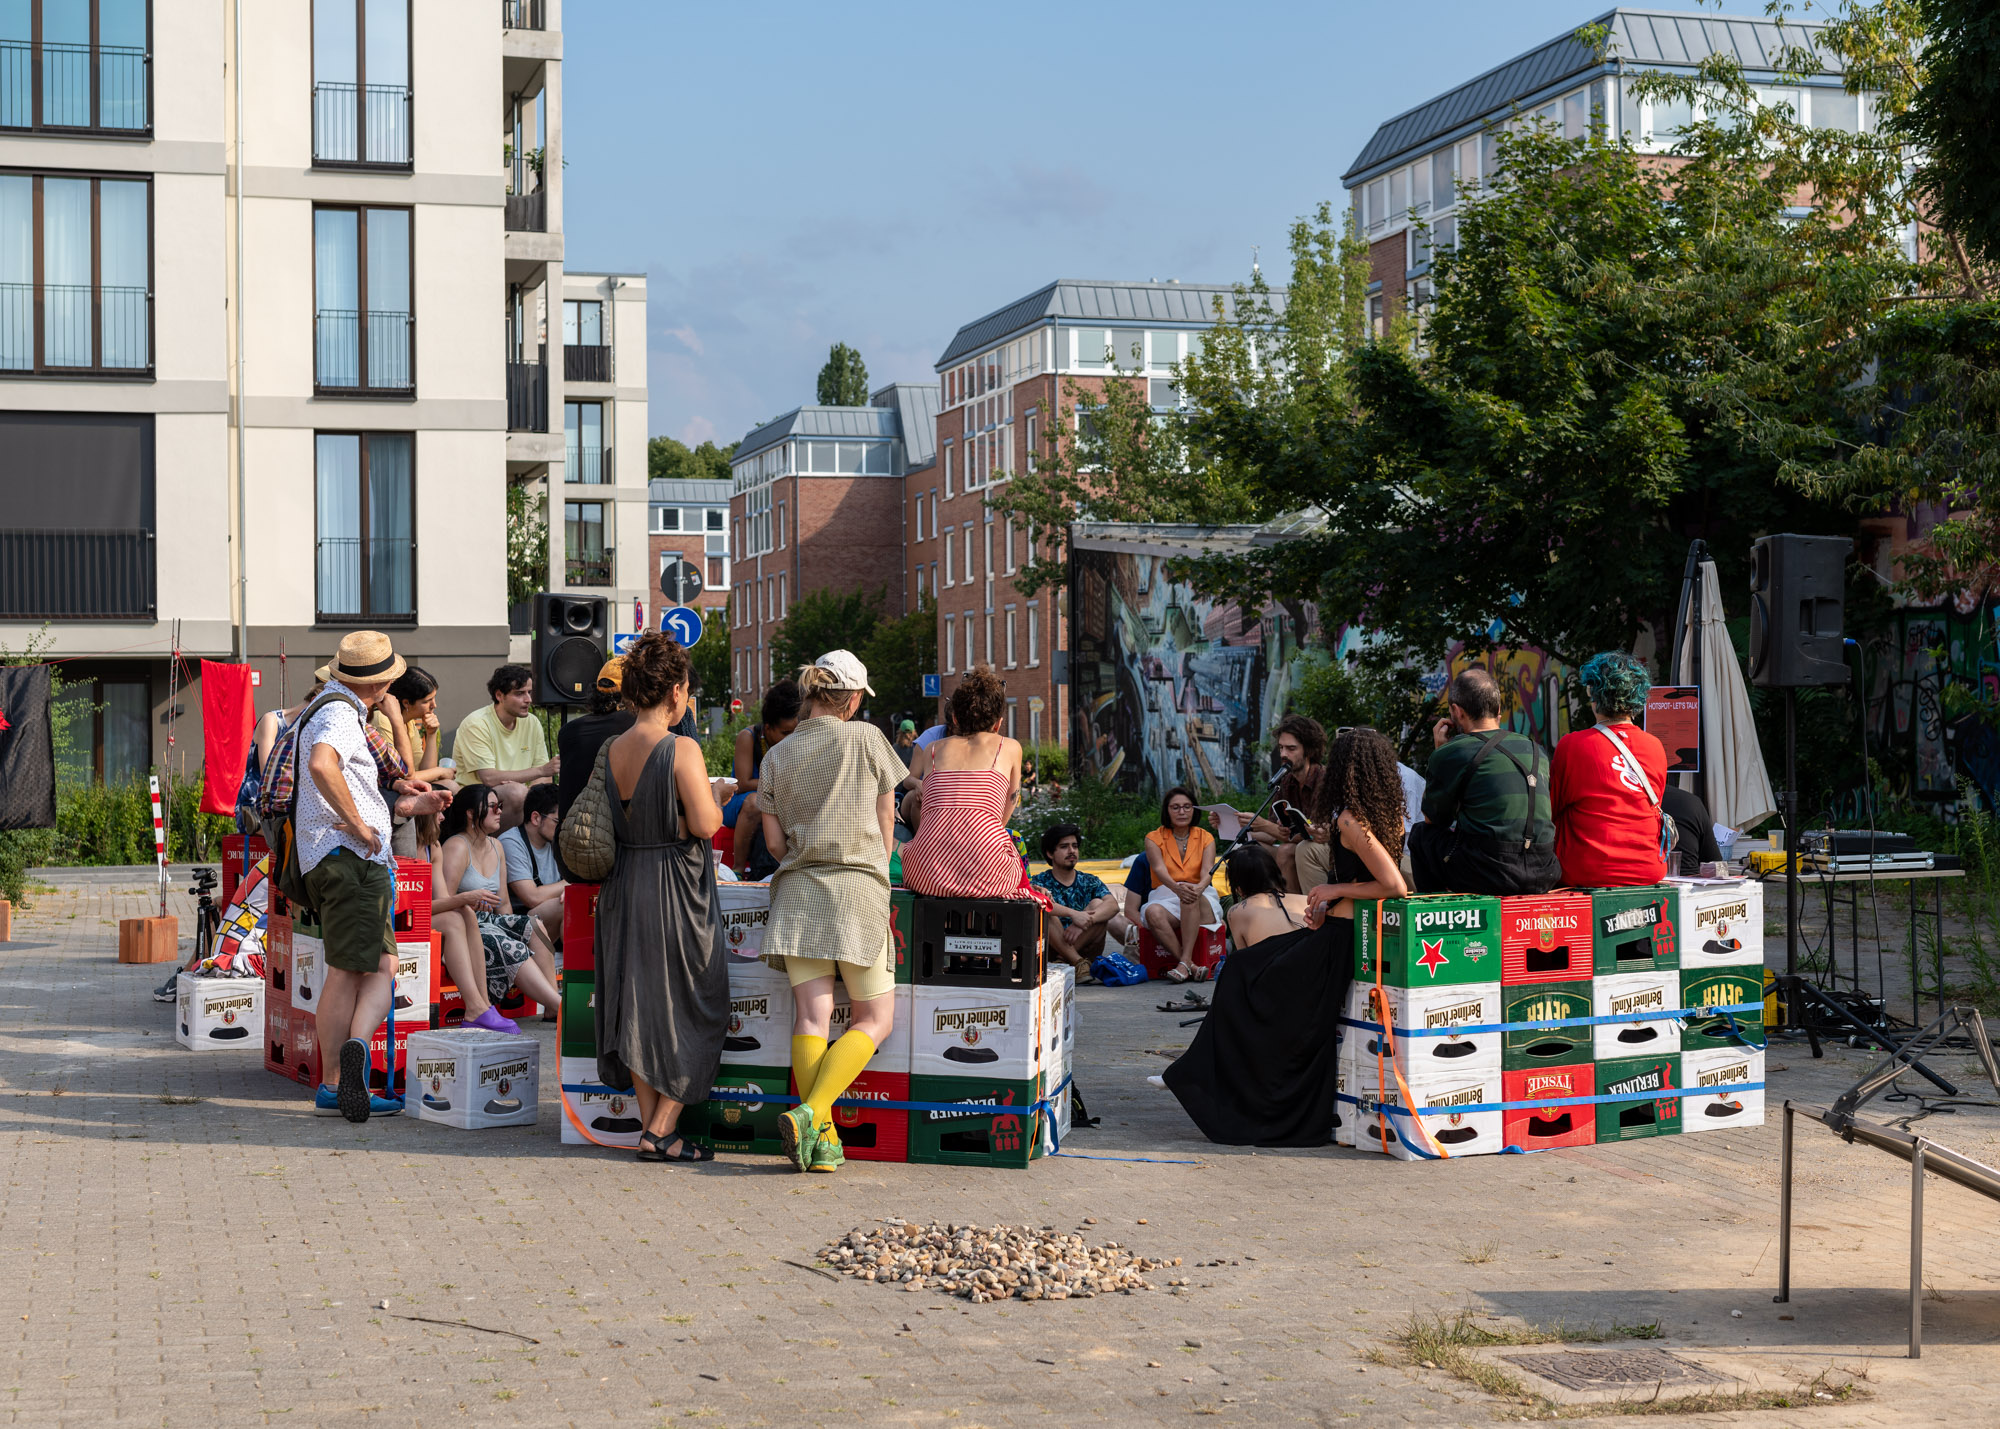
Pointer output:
1371, 1105
1682, 1014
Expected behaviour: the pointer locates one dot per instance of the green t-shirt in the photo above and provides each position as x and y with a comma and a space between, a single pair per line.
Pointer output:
1495, 800
483, 742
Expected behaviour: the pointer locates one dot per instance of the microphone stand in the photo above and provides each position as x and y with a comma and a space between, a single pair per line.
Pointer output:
1243, 834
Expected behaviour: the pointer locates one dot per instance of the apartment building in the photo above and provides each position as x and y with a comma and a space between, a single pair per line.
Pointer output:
1002, 382
690, 522
1410, 178
817, 504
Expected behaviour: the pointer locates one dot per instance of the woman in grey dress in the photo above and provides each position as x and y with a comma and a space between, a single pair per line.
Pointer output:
662, 978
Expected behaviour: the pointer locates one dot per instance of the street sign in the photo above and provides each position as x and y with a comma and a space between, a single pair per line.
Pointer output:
680, 582
1035, 705
622, 643
736, 707
683, 624
932, 687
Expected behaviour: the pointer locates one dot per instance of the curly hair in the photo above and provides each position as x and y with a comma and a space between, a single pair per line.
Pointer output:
1361, 779
1616, 683
978, 702
655, 666
1310, 734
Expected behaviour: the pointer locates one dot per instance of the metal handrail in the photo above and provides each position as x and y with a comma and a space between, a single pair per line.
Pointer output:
337, 354
64, 573
120, 86
361, 124
121, 313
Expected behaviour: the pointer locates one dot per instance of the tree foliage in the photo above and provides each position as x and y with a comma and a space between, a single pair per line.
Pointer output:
843, 381
675, 460
1948, 91
527, 541
898, 654
710, 658
824, 620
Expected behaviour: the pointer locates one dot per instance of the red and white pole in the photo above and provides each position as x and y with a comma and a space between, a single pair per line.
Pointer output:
159, 841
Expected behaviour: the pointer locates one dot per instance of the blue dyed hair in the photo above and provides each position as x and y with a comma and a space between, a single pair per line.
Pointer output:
1616, 683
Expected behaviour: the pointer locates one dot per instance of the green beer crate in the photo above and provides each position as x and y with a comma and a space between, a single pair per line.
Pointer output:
1527, 1048
1632, 929
943, 1138
579, 1014
1723, 987
741, 1126
1429, 942
1634, 1120
902, 926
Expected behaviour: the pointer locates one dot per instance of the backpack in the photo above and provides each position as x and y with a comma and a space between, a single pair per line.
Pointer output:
248, 790
277, 802
1669, 831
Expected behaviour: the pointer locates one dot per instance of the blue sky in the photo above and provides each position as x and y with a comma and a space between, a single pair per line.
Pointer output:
789, 176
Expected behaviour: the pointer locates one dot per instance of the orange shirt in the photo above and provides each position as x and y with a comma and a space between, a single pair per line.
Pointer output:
1182, 868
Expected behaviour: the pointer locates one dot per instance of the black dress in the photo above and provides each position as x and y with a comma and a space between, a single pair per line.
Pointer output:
1263, 1065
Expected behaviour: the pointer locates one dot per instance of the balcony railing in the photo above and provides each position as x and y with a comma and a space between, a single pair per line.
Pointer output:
521, 14
367, 578
83, 329
528, 213
590, 568
67, 93
527, 397
337, 344
587, 465
51, 574
357, 125
586, 364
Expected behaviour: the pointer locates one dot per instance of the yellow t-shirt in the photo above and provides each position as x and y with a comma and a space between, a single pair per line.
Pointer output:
483, 743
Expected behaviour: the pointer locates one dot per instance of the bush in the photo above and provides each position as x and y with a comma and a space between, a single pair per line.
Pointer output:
111, 825
1051, 761
1114, 823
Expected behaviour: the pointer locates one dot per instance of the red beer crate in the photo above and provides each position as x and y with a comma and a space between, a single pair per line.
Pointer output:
449, 1010
579, 929
1208, 953
277, 1032
239, 852
869, 1135
278, 955
305, 1064
1545, 938
1537, 1128
518, 1006
412, 919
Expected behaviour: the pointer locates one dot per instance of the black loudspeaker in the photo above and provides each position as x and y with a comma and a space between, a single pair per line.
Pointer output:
571, 632
1796, 588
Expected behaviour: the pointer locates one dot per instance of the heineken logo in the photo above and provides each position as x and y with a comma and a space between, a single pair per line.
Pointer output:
503, 1073
1450, 920
1651, 999
1630, 918
1458, 1014
968, 1022
1473, 949
1433, 957
1721, 914
1723, 1076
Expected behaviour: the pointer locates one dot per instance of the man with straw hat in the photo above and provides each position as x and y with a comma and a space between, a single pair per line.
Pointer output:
343, 826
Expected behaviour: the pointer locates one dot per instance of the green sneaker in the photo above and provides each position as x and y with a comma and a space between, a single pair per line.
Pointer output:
826, 1152
795, 1135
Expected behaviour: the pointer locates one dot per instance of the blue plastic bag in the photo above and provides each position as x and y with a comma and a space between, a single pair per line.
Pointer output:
1117, 970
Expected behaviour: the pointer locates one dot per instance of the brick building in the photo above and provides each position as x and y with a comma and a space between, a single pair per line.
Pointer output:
687, 520
817, 504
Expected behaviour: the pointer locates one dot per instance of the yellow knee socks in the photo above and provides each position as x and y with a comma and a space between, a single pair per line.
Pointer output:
807, 1054
842, 1063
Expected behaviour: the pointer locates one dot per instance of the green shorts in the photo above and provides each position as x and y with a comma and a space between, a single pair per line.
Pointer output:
356, 901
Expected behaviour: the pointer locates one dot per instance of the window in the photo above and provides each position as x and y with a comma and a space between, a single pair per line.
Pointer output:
947, 471
1030, 442
971, 658
1034, 633
1009, 540
950, 644
779, 525
989, 548
77, 504
666, 519
736, 541
588, 559
757, 514
361, 82
1164, 347
78, 249
365, 500
364, 332
1444, 179
583, 323
111, 735
74, 64
583, 435
1377, 204
1034, 725
989, 637
715, 518
1010, 637
1096, 348
970, 567
948, 544
717, 575
1012, 709
783, 604
1833, 109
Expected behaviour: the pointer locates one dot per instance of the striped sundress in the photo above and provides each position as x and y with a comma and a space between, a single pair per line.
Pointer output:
962, 848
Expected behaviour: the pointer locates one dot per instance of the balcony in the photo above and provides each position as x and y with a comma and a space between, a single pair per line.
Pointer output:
586, 466
528, 213
527, 397
382, 366
116, 104
101, 330
76, 575
366, 579
521, 15
586, 364
589, 569
367, 126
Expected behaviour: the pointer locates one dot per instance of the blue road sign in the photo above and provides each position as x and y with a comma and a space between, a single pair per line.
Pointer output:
683, 624
621, 643
932, 685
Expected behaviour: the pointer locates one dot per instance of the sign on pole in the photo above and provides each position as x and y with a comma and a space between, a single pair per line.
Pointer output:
680, 582
1673, 716
683, 624
932, 687
736, 707
622, 643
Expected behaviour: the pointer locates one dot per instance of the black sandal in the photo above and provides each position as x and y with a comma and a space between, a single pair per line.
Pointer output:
686, 1152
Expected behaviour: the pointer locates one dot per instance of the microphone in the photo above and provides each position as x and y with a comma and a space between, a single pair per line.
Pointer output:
1279, 777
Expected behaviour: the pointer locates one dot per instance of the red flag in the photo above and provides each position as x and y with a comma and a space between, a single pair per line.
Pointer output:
228, 719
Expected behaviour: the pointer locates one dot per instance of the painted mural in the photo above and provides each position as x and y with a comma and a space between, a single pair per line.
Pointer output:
1923, 676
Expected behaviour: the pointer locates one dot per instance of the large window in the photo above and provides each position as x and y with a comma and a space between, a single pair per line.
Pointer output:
588, 558
366, 501
847, 458
364, 330
583, 323
74, 64
76, 266
583, 435
361, 82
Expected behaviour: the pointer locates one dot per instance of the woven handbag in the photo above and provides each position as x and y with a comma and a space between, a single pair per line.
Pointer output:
587, 839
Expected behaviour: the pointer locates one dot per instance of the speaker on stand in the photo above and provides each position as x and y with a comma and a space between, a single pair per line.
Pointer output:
571, 635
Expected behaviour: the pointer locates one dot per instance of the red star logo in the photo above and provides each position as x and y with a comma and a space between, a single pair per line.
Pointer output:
3, 722
1433, 957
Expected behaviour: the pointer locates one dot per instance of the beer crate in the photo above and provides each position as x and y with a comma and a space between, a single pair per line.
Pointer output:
1428, 942
869, 1134
1530, 1047
1721, 924
579, 1014
278, 953
579, 951
308, 962
1643, 1117
1056, 1120
729, 1124
1623, 994
976, 1032
449, 1009
1545, 938
1455, 1005
892, 1054
610, 1115
903, 930
417, 978
746, 917
977, 942
1632, 929
1727, 987
277, 1032
518, 1006
975, 1138
1437, 1098
306, 1067
387, 1075
759, 1030
1058, 1023
239, 853
1538, 1128
474, 1079
1716, 1081
412, 917
213, 1014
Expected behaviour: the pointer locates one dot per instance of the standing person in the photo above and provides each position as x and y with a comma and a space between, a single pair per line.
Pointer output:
1606, 784
474, 870
662, 970
1300, 745
502, 746
827, 804
534, 881
1084, 910
971, 788
341, 818
1487, 824
776, 718
579, 740
411, 706
1180, 854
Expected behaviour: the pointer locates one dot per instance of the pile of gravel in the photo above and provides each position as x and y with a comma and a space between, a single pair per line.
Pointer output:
980, 1264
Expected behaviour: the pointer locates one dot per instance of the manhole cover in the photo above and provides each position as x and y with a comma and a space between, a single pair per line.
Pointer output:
1613, 1369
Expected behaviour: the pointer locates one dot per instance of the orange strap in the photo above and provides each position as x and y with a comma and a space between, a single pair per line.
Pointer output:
562, 1092
1385, 1053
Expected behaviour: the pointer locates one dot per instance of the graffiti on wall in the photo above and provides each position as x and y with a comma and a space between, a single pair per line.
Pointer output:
1931, 659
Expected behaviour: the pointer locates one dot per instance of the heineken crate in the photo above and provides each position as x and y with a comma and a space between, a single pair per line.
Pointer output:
975, 1138
1545, 938
1726, 987
903, 930
747, 1127
1721, 924
1527, 1047
1532, 1127
1644, 1116
1632, 929
579, 1014
1427, 942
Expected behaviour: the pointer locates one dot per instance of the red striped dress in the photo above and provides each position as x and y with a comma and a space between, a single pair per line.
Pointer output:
962, 848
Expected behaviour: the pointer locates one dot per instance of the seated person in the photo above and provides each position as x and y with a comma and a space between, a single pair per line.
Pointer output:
1300, 744
1606, 783
1134, 891
906, 741
910, 793
1182, 904
971, 787
473, 874
410, 708
533, 880
1085, 910
1259, 906
1487, 825
776, 718
454, 920
502, 746
1694, 831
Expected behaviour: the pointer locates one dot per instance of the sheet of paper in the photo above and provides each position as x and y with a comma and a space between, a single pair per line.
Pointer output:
1228, 822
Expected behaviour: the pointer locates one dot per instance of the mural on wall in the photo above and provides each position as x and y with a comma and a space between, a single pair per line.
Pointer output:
1920, 675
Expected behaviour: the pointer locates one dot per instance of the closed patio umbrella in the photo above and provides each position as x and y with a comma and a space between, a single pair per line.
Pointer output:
1733, 782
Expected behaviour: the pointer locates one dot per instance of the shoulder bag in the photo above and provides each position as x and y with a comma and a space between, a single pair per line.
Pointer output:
588, 840
1669, 834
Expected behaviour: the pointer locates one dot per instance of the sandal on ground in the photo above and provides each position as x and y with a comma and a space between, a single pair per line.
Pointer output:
1191, 1001
685, 1151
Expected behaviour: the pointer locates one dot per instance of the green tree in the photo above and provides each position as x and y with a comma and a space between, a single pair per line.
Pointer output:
710, 657
824, 620
1939, 61
527, 541
843, 382
674, 460
898, 655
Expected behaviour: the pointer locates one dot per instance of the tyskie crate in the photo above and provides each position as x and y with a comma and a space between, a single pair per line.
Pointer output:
976, 1032
1721, 924
1545, 937
1725, 1090
1632, 929
474, 1079
1432, 1009
1645, 1115
742, 1122
981, 1137
1523, 1048
977, 942
1546, 1121
1627, 996
1430, 941
1726, 987
580, 927
215, 1014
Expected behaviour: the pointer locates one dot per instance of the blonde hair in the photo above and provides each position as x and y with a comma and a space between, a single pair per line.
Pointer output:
820, 686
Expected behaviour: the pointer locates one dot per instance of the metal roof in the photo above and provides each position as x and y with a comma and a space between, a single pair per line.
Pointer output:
1088, 299
916, 405
665, 491
1164, 539
1647, 39
820, 422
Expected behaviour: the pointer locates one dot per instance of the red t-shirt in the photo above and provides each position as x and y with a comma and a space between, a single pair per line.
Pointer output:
1607, 830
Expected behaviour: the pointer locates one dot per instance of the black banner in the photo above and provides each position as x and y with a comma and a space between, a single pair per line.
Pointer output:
27, 749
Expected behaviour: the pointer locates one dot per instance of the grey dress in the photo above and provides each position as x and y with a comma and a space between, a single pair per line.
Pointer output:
662, 974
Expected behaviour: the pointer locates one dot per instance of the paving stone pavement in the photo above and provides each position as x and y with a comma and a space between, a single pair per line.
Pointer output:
183, 1243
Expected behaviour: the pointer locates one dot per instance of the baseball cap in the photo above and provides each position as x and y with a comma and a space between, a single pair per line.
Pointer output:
611, 677
908, 726
848, 672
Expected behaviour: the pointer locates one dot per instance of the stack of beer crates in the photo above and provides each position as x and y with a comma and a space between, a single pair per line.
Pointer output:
1456, 968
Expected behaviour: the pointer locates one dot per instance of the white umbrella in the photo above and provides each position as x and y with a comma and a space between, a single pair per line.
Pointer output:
1738, 790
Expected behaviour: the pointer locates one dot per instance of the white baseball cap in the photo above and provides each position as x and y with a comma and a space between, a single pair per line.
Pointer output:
849, 672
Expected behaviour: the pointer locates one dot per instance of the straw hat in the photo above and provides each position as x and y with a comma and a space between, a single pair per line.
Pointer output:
365, 657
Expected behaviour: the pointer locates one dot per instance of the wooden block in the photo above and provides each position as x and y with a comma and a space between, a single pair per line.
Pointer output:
6, 921
149, 940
